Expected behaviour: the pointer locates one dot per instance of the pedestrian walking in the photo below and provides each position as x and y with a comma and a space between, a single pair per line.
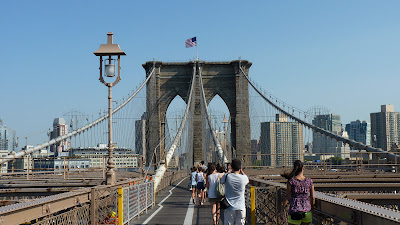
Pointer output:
221, 171
200, 179
212, 180
299, 195
193, 184
235, 184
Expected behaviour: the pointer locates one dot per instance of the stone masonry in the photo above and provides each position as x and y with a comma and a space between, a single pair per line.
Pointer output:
172, 79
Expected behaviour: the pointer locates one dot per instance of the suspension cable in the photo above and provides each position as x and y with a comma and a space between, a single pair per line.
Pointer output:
161, 170
358, 145
217, 143
76, 132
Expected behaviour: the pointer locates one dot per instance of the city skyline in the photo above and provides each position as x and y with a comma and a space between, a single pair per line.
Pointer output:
339, 50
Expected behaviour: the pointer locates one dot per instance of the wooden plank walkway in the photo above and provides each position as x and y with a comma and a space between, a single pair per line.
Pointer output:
176, 208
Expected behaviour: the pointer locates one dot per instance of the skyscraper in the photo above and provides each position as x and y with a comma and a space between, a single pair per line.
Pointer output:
358, 131
385, 128
140, 138
59, 129
323, 144
8, 138
255, 148
283, 140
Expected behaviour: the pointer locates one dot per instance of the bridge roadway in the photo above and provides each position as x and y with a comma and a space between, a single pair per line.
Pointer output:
174, 206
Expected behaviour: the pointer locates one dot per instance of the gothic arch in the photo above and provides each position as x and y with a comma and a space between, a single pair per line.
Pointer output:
222, 78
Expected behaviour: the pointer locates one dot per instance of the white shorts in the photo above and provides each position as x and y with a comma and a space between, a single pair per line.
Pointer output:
234, 217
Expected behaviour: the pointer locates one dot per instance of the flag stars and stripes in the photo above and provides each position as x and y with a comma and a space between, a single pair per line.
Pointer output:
191, 42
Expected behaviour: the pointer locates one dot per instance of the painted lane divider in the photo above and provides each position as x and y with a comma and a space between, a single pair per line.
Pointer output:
160, 204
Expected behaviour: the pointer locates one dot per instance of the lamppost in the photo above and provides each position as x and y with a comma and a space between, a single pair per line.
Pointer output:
112, 53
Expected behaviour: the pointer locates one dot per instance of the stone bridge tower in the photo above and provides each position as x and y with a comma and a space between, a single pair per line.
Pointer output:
174, 78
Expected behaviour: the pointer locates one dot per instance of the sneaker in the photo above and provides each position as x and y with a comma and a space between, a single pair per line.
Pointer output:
194, 201
201, 203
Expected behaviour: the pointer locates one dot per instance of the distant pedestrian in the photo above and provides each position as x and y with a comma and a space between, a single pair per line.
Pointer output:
235, 184
300, 196
220, 168
228, 168
212, 181
193, 184
203, 166
200, 179
221, 171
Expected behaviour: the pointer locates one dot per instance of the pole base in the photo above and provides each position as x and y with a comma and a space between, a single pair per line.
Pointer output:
111, 178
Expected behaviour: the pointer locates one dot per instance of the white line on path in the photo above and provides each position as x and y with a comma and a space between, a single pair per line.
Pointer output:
162, 201
189, 213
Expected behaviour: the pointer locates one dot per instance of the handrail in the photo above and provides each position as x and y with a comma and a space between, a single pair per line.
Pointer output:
347, 204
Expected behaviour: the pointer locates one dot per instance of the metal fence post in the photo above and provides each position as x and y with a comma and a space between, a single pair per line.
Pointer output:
253, 205
93, 207
120, 206
154, 193
146, 195
27, 171
64, 168
138, 199
103, 168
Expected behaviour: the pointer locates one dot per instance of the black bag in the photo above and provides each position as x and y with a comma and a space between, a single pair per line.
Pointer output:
298, 215
224, 203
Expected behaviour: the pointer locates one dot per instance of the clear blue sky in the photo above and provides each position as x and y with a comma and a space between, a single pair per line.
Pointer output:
340, 54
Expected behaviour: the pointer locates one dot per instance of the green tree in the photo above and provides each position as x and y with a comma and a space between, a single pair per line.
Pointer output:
336, 160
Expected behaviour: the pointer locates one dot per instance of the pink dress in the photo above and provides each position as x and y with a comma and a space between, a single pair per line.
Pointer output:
300, 196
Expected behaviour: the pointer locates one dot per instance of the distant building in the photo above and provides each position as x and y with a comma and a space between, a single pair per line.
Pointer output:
309, 147
323, 144
124, 159
358, 131
344, 149
60, 128
8, 138
140, 137
22, 164
282, 140
4, 153
58, 164
255, 150
385, 128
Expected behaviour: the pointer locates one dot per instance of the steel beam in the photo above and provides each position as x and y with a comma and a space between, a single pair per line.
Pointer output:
377, 199
370, 187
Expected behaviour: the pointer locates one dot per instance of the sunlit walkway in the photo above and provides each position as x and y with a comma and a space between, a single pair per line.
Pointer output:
176, 208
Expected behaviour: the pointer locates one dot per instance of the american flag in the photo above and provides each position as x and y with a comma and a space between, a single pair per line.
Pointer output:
190, 42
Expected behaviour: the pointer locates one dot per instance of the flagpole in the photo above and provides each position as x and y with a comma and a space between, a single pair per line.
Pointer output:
197, 53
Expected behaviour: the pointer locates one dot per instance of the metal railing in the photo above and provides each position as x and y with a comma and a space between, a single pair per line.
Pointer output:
357, 162
264, 204
67, 165
136, 200
102, 204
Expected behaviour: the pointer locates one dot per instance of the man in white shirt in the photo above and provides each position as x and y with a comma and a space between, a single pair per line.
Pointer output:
235, 185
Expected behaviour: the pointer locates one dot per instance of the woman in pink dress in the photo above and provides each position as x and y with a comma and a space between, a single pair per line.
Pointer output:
299, 195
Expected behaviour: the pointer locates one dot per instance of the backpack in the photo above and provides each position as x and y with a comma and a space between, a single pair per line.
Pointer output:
220, 189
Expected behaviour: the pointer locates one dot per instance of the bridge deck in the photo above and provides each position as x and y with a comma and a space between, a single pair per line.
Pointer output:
176, 208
